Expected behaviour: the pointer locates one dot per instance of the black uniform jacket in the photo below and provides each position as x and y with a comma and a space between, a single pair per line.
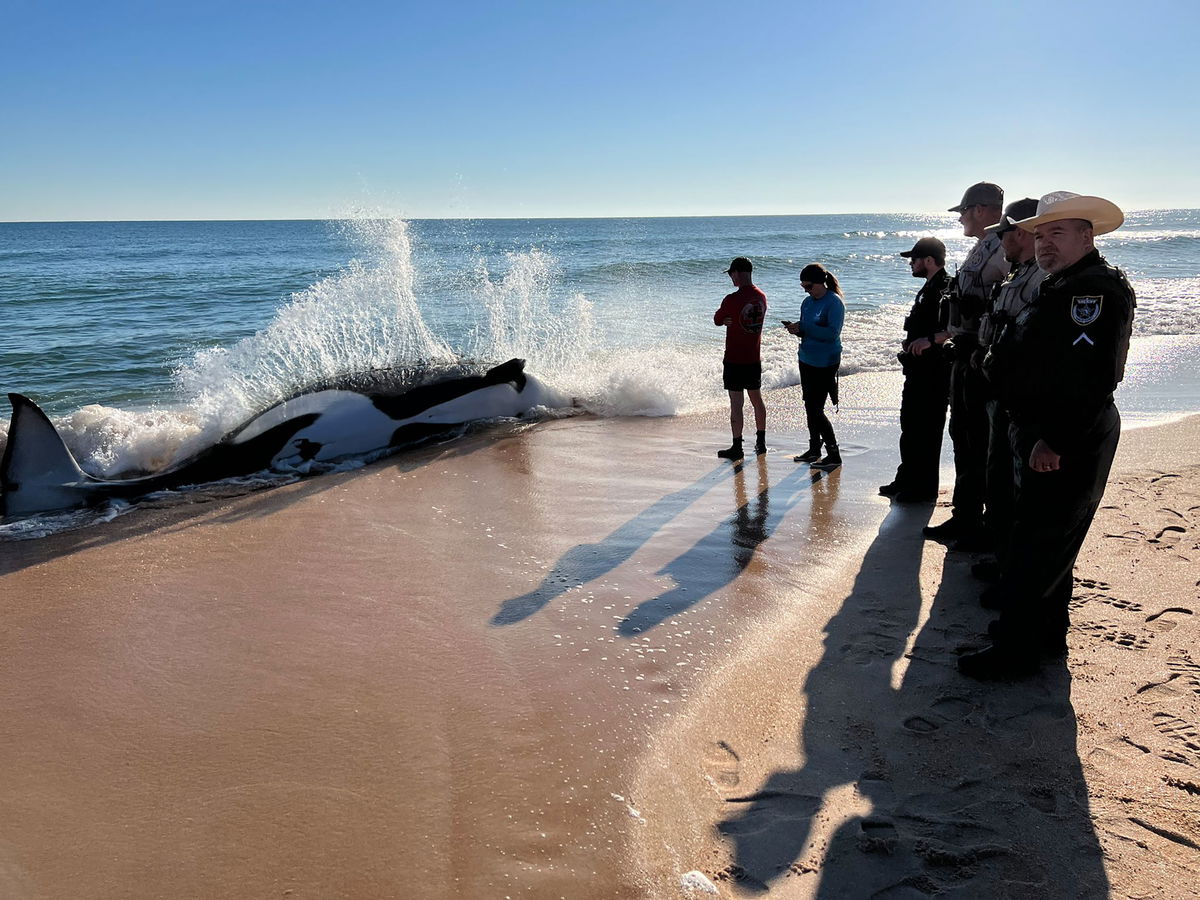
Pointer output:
1064, 354
927, 317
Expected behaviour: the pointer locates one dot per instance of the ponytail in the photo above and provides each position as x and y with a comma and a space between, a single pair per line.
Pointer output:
817, 272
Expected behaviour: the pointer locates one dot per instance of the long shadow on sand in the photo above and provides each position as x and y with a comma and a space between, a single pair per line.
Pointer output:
931, 784
721, 555
586, 562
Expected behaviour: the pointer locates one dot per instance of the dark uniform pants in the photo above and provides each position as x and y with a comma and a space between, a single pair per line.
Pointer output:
1002, 473
969, 432
1051, 518
923, 403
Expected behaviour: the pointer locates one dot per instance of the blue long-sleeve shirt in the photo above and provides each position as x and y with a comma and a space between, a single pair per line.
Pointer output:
821, 330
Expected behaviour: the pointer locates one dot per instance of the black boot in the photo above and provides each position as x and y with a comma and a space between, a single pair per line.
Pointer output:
734, 452
999, 662
832, 459
811, 455
760, 442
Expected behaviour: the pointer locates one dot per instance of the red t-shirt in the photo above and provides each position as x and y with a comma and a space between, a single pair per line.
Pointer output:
747, 306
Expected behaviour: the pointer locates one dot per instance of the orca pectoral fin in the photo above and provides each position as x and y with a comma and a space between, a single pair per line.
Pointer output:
512, 372
38, 472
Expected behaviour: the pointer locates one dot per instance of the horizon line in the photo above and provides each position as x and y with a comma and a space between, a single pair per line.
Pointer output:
514, 218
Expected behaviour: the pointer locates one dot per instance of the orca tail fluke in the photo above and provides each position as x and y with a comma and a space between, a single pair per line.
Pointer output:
38, 472
512, 372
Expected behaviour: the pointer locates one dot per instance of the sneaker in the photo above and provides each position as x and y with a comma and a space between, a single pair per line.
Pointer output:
733, 452
811, 455
997, 664
891, 490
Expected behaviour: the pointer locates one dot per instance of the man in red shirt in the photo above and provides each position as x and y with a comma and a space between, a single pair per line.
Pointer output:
742, 314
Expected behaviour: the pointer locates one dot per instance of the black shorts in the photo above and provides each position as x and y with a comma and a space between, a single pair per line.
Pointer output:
743, 376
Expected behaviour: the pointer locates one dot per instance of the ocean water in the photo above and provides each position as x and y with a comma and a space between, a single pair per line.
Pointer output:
147, 340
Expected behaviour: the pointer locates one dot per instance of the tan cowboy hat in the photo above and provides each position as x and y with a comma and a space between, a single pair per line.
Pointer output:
1104, 215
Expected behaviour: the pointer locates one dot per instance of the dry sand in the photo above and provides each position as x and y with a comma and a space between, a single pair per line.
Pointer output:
585, 660
847, 758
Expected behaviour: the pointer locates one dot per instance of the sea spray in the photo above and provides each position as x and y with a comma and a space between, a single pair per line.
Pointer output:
365, 317
524, 313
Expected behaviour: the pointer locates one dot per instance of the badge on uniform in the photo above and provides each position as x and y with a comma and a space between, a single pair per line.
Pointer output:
1085, 310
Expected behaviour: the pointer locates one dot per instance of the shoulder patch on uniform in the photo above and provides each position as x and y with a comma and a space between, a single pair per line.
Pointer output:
1085, 310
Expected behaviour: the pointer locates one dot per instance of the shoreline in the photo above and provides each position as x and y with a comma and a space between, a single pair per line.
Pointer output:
474, 669
846, 756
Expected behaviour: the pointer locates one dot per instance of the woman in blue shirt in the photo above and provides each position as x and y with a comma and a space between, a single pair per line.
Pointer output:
820, 331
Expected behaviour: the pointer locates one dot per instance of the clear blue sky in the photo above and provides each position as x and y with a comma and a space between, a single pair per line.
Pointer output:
203, 110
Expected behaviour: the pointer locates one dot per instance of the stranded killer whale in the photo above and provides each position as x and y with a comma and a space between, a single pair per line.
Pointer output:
39, 474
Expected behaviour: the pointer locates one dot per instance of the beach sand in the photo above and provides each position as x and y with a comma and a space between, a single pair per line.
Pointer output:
586, 659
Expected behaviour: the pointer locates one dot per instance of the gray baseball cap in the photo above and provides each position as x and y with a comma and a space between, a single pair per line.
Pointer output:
982, 194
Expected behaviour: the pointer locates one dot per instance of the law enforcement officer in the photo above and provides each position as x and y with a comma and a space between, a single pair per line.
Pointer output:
966, 300
926, 392
1068, 350
1009, 298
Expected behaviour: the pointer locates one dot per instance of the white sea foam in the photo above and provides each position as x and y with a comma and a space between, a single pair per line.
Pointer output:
391, 307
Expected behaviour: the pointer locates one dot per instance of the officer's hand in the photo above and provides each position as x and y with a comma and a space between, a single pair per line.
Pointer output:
1043, 459
919, 346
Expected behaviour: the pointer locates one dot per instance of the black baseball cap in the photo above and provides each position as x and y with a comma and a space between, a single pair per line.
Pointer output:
927, 246
1013, 213
982, 194
740, 264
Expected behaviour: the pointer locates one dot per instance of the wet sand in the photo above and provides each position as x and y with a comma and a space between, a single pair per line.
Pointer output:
584, 660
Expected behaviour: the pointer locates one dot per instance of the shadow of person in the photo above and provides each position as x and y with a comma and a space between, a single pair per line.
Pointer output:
586, 562
717, 558
915, 780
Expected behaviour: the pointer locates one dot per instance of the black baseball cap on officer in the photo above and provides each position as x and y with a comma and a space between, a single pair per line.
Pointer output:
927, 246
982, 194
740, 264
1014, 213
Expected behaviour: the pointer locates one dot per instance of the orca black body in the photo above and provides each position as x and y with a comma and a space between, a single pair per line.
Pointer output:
39, 474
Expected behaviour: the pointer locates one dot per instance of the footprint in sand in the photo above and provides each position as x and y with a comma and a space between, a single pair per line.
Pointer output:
1169, 535
877, 836
1110, 631
722, 764
942, 711
769, 810
1167, 691
1182, 664
1188, 787
1099, 592
1044, 800
1080, 600
1178, 730
1168, 619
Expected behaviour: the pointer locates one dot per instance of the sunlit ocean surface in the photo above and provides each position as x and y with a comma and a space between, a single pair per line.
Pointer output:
123, 331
